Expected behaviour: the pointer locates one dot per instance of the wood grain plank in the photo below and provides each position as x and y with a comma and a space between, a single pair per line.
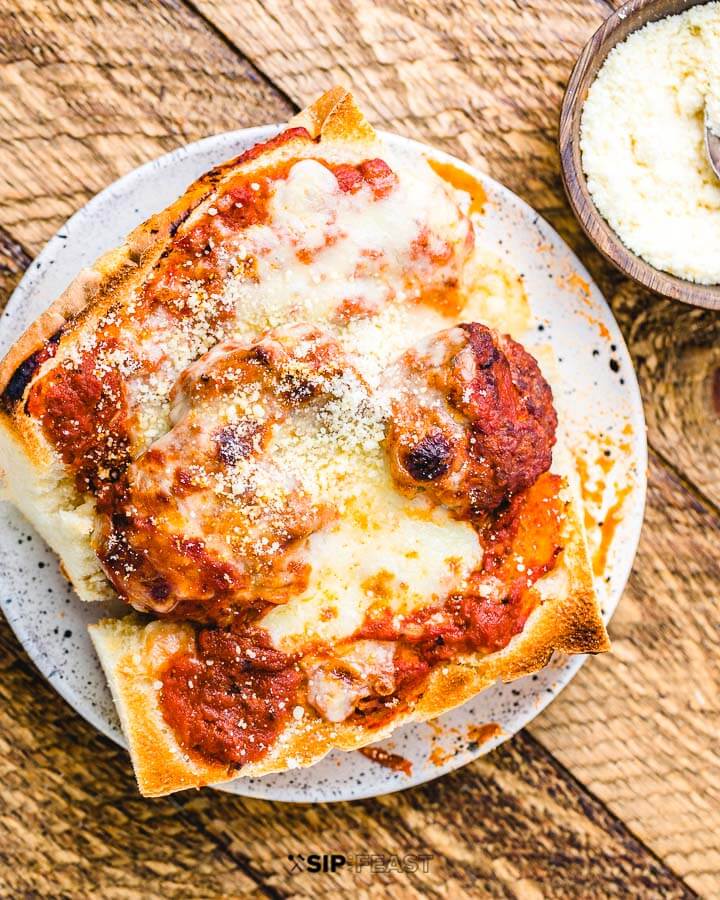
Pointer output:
676, 351
483, 85
71, 821
93, 89
105, 68
501, 827
14, 260
72, 824
640, 726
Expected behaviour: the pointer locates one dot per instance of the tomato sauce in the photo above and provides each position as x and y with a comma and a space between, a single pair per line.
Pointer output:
522, 543
290, 134
389, 760
84, 414
229, 700
230, 712
461, 181
379, 176
24, 373
205, 585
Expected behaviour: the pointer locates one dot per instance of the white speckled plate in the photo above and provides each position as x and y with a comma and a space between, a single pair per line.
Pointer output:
599, 401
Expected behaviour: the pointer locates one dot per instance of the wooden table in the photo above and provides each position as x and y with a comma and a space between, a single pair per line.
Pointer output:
615, 789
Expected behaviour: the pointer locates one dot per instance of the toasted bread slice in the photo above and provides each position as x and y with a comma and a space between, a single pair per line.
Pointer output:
34, 476
134, 655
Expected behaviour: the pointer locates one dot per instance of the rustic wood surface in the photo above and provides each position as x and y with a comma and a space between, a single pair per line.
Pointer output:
615, 789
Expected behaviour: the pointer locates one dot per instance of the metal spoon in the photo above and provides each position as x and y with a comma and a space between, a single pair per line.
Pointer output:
712, 145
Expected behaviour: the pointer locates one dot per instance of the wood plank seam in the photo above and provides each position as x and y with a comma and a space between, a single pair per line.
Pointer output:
608, 8
233, 829
16, 252
698, 495
23, 259
419, 118
24, 664
241, 860
221, 36
570, 777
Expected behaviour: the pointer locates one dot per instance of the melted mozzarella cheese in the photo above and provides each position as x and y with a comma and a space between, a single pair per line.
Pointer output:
387, 550
384, 549
357, 249
336, 685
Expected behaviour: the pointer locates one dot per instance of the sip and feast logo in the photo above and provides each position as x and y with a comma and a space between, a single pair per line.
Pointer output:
375, 863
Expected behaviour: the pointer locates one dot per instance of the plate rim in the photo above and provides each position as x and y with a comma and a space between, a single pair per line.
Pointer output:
640, 456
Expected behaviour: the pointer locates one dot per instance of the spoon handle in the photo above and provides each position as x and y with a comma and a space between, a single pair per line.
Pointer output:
712, 144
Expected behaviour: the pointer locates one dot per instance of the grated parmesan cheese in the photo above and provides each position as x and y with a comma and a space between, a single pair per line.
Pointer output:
643, 144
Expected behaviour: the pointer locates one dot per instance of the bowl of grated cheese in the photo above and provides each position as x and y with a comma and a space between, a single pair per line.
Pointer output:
632, 145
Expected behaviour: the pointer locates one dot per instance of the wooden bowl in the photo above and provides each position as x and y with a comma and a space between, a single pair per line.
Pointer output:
616, 28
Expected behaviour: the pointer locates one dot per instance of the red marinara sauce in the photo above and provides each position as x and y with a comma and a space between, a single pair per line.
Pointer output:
229, 700
84, 414
389, 760
245, 201
522, 543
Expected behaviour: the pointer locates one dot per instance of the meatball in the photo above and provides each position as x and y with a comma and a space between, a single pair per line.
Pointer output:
207, 523
472, 419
